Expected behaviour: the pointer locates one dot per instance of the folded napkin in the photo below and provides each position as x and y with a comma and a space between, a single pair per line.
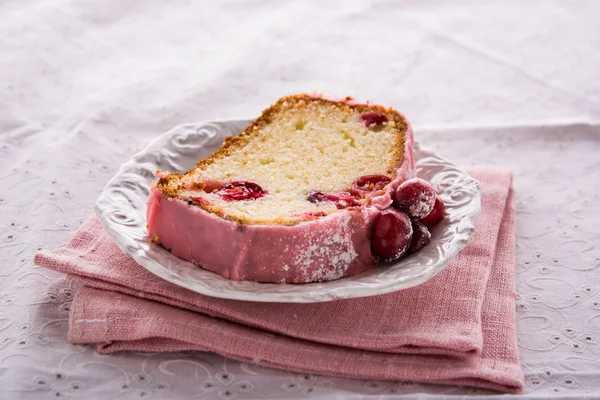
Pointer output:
457, 328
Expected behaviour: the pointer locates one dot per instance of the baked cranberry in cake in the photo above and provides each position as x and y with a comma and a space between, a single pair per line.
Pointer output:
369, 183
373, 118
236, 191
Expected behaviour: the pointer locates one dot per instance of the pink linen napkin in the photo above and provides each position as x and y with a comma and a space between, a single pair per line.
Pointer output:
457, 328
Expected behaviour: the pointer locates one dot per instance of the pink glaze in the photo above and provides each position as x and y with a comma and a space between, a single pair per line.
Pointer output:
324, 249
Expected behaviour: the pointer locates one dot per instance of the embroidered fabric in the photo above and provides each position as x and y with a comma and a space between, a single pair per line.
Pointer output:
83, 84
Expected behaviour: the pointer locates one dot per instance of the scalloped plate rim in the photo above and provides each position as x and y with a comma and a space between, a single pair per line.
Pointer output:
304, 293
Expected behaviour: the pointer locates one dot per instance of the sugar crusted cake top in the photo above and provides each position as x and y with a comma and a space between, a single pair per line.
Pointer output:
297, 161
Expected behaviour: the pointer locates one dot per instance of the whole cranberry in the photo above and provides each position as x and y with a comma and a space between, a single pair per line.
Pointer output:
420, 238
392, 234
436, 214
415, 197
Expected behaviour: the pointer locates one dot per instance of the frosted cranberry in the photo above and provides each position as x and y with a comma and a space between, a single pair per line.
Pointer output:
415, 197
436, 215
421, 237
369, 183
374, 119
241, 190
392, 234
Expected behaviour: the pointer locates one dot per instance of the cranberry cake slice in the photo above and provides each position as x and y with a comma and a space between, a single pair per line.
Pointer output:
293, 198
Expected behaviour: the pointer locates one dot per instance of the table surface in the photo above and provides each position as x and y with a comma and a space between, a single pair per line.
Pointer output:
501, 83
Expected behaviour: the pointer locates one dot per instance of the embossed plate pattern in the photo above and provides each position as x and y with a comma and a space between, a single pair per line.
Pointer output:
121, 209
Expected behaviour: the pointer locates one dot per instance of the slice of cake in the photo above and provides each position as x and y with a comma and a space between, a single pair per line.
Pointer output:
293, 198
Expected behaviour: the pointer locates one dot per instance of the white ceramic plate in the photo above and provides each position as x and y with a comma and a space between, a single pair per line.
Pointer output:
122, 211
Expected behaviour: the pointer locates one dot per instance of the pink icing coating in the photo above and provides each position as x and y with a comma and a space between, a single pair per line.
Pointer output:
327, 248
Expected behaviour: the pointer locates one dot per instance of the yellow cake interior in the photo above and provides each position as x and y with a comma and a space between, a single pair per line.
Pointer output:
300, 145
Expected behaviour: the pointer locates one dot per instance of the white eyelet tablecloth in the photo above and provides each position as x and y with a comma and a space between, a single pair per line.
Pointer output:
504, 83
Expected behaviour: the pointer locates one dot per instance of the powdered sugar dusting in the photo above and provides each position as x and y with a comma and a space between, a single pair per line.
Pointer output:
328, 254
415, 197
422, 204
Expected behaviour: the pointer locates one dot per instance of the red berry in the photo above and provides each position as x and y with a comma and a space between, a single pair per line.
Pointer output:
315, 196
392, 234
369, 183
374, 119
241, 190
196, 200
210, 185
342, 199
415, 197
436, 215
310, 214
421, 237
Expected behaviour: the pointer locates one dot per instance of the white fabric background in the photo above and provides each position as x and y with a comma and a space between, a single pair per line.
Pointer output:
84, 82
